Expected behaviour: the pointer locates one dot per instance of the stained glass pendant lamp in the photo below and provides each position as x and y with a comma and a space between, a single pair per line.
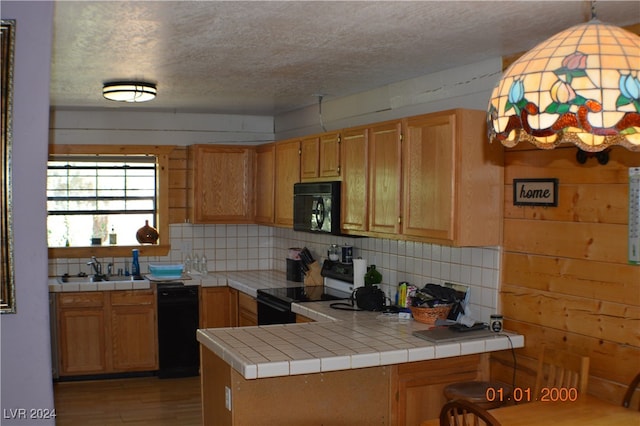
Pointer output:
581, 86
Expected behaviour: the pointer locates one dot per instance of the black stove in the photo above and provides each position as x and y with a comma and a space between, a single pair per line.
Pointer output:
303, 294
274, 304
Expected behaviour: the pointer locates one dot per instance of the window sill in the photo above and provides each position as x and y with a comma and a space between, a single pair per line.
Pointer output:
107, 251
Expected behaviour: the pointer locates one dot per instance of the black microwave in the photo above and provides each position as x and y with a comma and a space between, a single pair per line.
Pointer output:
316, 207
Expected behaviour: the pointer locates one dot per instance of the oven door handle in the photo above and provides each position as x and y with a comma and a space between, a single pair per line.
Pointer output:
274, 305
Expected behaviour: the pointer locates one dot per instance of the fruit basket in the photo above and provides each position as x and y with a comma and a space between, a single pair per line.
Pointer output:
428, 315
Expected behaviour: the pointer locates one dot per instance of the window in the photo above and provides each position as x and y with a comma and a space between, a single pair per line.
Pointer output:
97, 204
96, 200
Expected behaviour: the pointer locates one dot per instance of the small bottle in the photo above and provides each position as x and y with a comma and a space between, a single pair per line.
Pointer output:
113, 237
187, 265
196, 263
135, 265
203, 265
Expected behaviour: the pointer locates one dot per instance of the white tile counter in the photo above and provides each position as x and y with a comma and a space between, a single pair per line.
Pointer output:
56, 287
340, 340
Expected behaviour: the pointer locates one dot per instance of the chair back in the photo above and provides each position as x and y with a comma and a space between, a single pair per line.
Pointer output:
561, 369
626, 401
464, 413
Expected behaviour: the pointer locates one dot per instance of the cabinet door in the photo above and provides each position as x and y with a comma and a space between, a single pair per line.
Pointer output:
134, 335
354, 180
329, 154
81, 339
221, 184
429, 182
264, 184
384, 177
134, 338
287, 173
309, 158
247, 310
216, 309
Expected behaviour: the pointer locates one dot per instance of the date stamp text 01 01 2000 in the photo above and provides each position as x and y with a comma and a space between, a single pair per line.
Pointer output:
551, 394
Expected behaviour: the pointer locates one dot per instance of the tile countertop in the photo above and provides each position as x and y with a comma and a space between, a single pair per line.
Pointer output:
339, 340
246, 281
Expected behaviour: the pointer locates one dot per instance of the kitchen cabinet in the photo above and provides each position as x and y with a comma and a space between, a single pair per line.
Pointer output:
264, 184
220, 180
354, 198
247, 310
107, 332
302, 318
418, 386
320, 157
287, 173
384, 178
218, 307
134, 340
453, 180
82, 341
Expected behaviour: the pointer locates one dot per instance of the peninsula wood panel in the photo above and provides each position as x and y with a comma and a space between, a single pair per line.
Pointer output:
565, 277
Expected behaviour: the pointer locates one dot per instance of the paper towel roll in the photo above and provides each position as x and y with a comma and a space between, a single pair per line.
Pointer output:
359, 269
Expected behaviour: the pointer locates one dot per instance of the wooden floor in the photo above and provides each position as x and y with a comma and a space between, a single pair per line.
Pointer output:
135, 402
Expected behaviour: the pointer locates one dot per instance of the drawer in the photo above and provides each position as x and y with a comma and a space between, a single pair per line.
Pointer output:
132, 297
247, 303
82, 299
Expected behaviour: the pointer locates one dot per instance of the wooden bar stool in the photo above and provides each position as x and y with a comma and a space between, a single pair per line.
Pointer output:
477, 392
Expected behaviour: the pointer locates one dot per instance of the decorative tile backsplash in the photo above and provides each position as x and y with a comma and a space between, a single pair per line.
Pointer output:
250, 247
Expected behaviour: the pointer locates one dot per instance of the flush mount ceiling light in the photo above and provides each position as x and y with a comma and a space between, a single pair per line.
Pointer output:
580, 86
129, 91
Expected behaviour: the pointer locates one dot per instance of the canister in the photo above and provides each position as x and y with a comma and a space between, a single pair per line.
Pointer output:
495, 323
347, 254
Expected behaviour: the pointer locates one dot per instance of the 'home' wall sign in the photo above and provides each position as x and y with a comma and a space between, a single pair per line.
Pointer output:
535, 192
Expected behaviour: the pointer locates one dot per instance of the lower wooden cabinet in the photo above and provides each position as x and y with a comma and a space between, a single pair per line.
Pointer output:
107, 332
82, 343
134, 339
417, 387
247, 310
218, 307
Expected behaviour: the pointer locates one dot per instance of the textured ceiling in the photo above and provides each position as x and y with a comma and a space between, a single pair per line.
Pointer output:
270, 57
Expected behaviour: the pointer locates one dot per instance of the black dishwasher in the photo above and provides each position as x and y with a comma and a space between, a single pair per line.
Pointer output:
178, 351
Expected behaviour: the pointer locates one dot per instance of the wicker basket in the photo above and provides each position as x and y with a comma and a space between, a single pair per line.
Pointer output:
430, 315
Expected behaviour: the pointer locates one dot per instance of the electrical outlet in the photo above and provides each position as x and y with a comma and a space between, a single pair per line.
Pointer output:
227, 398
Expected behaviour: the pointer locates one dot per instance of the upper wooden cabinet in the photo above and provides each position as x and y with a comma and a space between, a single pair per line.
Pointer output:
320, 157
385, 177
452, 179
354, 198
287, 173
220, 182
265, 163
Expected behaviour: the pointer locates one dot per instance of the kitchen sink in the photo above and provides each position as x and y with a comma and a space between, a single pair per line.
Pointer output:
66, 279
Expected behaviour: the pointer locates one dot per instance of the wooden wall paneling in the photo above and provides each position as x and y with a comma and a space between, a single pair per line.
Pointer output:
573, 277
565, 278
601, 203
603, 320
178, 185
593, 241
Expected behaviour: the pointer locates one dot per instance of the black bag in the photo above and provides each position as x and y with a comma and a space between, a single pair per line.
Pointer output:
370, 298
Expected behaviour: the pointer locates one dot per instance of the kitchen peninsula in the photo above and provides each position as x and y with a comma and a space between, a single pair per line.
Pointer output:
344, 368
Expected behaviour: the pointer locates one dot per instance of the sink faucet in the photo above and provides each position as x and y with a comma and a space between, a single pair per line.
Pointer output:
97, 268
